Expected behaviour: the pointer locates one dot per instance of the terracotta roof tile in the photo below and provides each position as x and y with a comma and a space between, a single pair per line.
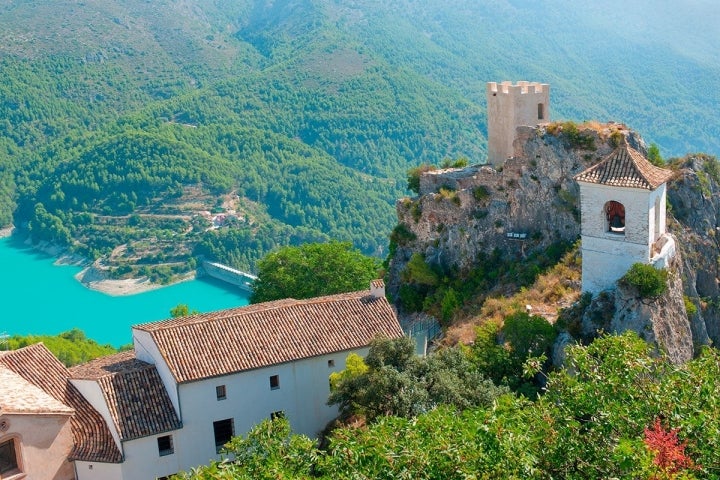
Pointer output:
17, 395
91, 436
625, 167
228, 341
135, 395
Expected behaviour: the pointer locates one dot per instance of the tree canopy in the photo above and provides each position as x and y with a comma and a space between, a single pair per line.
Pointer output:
312, 270
619, 410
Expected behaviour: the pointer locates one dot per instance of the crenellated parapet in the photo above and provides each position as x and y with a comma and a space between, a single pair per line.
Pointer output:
510, 106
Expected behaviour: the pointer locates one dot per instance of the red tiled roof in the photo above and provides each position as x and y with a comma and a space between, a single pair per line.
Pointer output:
625, 167
229, 341
91, 436
135, 395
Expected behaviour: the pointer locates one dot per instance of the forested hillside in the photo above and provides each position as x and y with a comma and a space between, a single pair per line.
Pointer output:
123, 123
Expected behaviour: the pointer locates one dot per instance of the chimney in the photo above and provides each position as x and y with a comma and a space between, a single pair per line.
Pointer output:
377, 288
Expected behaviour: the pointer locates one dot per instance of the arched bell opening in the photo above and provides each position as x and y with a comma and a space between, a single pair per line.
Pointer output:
615, 217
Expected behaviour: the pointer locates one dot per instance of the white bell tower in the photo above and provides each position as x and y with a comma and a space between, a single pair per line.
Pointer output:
622, 203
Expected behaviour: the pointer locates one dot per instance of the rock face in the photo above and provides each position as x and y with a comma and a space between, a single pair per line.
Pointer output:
525, 206
694, 199
532, 201
662, 320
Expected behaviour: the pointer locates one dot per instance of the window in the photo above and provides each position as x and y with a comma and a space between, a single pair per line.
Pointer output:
274, 382
615, 216
223, 430
220, 392
8, 457
165, 445
541, 111
278, 414
331, 363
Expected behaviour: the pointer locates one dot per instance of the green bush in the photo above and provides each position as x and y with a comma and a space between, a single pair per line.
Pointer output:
649, 281
481, 193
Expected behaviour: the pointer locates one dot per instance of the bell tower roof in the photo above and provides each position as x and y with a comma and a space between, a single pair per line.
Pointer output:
625, 167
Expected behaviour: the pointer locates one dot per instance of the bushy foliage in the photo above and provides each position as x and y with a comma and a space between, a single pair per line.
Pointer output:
653, 155
413, 176
649, 281
500, 352
313, 270
394, 381
71, 347
598, 419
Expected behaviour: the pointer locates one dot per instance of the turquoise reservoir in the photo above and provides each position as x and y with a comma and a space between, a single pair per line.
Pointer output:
39, 297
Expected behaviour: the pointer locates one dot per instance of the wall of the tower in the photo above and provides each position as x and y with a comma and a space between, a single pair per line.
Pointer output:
510, 106
607, 255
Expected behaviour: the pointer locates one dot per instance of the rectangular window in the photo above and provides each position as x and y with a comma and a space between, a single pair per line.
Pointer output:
165, 445
274, 382
8, 457
224, 431
331, 363
221, 392
278, 414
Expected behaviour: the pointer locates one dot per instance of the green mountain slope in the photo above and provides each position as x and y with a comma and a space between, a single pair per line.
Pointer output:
300, 117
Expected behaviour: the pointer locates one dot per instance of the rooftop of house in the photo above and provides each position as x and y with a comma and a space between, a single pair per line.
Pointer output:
17, 395
625, 167
134, 393
91, 437
256, 336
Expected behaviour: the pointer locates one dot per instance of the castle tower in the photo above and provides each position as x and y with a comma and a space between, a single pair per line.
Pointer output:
510, 106
622, 203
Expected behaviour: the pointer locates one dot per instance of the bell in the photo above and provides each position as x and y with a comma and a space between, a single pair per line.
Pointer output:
616, 224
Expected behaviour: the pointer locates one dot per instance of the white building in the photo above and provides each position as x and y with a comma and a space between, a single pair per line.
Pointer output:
622, 203
191, 383
510, 106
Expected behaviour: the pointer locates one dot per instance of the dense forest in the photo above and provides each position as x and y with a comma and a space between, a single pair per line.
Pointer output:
127, 128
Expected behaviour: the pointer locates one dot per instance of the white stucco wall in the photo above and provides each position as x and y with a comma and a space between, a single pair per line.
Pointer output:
98, 471
42, 444
607, 256
508, 107
143, 460
302, 396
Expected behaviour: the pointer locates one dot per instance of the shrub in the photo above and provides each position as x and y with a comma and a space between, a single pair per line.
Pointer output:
653, 154
402, 235
413, 176
690, 307
481, 193
649, 281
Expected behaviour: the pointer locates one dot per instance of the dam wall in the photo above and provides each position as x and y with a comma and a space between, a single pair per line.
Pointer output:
230, 275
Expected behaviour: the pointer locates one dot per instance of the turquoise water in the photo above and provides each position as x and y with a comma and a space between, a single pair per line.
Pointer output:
39, 298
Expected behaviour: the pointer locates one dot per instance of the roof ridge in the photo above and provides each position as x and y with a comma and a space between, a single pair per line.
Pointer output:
625, 167
245, 310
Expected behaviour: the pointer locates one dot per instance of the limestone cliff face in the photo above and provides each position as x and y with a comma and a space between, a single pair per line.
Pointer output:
531, 202
662, 320
528, 204
694, 199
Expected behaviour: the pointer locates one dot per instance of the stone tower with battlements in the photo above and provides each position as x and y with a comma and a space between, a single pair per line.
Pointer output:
510, 106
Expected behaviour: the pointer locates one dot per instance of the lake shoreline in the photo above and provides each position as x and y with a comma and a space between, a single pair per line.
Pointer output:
95, 278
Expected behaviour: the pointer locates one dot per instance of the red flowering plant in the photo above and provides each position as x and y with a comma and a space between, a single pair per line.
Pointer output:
669, 451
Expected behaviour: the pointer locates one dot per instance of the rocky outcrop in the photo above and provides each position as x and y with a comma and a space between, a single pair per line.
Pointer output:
523, 207
531, 202
694, 200
662, 321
